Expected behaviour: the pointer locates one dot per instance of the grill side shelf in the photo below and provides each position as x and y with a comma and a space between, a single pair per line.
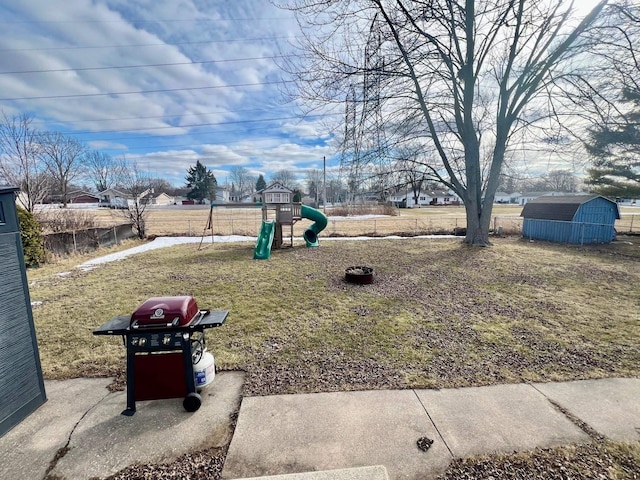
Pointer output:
212, 318
120, 325
116, 326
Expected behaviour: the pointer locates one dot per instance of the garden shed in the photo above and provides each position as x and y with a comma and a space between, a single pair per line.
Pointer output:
575, 219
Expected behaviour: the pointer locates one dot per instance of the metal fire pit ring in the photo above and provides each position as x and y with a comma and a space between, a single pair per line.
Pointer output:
359, 274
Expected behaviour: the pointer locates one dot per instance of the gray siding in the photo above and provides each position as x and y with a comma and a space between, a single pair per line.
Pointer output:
21, 384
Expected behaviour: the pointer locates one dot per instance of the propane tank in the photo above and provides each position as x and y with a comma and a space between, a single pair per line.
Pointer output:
204, 370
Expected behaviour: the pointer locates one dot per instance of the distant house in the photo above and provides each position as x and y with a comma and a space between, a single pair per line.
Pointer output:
163, 199
577, 219
504, 198
113, 198
443, 197
528, 197
407, 198
627, 201
79, 196
222, 194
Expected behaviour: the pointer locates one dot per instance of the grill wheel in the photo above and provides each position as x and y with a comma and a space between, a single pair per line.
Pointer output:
192, 402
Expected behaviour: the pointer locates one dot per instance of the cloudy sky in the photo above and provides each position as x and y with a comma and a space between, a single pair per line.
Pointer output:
163, 82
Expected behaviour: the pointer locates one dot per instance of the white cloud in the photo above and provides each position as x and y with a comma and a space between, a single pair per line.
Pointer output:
98, 145
41, 35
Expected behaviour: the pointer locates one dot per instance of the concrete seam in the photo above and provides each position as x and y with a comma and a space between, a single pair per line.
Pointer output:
433, 423
582, 425
64, 450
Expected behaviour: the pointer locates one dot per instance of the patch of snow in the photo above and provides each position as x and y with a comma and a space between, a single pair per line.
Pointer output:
37, 303
162, 242
63, 274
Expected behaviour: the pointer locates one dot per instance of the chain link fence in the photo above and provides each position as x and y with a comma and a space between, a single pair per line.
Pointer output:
202, 221
86, 240
248, 223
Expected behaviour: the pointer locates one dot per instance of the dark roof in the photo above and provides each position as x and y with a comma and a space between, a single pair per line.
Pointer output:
557, 208
78, 193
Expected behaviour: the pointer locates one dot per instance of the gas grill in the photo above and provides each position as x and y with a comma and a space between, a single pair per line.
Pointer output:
164, 338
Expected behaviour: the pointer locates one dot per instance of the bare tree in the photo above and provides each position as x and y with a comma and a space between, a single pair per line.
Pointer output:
20, 163
314, 179
562, 181
63, 157
103, 170
138, 187
286, 178
468, 77
242, 180
611, 92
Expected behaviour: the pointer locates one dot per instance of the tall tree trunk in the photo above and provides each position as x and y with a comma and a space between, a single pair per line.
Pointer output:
477, 224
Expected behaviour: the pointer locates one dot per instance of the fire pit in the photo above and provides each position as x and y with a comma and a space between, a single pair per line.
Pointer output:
166, 354
359, 274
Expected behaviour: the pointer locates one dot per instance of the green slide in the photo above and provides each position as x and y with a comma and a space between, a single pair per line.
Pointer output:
264, 242
311, 234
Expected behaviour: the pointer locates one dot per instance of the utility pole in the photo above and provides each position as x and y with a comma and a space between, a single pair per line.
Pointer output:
324, 184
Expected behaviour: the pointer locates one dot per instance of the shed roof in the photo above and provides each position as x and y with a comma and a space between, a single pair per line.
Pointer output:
558, 207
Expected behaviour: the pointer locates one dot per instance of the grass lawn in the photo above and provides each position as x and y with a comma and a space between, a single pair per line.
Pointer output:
439, 314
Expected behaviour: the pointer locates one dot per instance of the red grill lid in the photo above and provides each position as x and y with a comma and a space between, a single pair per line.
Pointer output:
161, 311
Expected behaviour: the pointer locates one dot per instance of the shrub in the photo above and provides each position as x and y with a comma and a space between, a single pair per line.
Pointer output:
65, 220
360, 209
32, 241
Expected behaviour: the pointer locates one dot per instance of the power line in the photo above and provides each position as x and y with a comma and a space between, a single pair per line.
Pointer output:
189, 126
164, 116
178, 20
191, 145
192, 134
163, 90
84, 69
261, 39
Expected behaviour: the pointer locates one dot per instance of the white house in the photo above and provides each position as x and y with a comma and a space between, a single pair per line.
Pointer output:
163, 199
222, 194
527, 197
407, 199
502, 197
113, 198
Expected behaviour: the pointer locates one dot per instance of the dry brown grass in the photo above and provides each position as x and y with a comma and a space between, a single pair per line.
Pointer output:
439, 314
193, 220
602, 460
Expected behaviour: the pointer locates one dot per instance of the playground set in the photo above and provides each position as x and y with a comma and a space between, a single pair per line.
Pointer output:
279, 210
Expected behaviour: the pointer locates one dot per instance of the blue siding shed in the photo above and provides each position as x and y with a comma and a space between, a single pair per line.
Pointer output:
575, 219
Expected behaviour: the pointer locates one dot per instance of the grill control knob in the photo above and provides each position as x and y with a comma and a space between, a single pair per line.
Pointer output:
166, 340
134, 341
142, 342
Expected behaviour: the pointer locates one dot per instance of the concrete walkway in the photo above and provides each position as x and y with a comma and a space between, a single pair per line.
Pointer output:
325, 431
81, 415
80, 434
